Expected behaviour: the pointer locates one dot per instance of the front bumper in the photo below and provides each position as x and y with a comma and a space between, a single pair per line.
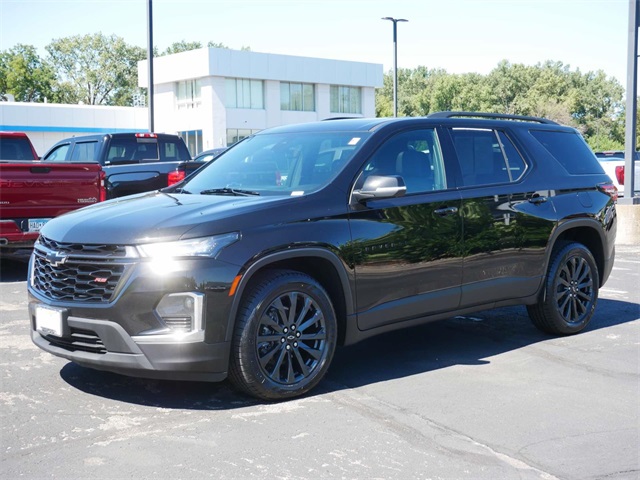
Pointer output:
105, 345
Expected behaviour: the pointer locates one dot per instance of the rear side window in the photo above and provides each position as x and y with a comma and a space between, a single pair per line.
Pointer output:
84, 152
486, 156
570, 150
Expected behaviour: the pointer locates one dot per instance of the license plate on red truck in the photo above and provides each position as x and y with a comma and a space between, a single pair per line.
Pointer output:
35, 224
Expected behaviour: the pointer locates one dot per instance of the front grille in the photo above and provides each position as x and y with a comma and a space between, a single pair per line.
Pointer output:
77, 272
79, 340
79, 249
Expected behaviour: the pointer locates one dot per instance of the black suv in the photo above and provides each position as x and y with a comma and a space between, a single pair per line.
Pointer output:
304, 237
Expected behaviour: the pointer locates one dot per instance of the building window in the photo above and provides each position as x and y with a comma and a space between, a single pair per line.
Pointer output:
188, 94
193, 140
244, 93
297, 96
346, 99
236, 134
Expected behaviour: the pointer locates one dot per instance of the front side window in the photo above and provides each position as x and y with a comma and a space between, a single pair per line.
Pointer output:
188, 94
345, 99
59, 154
290, 164
415, 156
486, 156
297, 96
244, 93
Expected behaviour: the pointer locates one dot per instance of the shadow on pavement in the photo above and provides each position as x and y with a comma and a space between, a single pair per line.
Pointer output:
13, 270
465, 340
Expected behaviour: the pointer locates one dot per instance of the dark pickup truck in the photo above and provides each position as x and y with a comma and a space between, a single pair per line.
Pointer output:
132, 162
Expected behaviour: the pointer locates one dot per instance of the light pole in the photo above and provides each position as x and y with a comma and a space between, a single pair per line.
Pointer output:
395, 61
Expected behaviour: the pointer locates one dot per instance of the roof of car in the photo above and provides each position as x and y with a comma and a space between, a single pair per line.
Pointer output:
447, 118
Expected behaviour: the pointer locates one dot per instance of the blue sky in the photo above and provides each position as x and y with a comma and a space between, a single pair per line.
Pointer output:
457, 35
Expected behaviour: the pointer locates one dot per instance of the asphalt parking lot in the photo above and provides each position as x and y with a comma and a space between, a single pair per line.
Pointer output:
485, 396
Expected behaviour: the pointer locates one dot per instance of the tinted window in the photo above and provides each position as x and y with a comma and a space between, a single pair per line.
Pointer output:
132, 150
413, 155
15, 149
515, 165
84, 152
482, 156
570, 150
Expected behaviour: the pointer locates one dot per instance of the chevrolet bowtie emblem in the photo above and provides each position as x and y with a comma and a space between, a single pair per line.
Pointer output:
56, 259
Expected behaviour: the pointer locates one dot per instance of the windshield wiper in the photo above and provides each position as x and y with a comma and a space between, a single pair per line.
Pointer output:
229, 191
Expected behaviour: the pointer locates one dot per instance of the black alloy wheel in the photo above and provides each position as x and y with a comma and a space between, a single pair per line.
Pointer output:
570, 294
285, 336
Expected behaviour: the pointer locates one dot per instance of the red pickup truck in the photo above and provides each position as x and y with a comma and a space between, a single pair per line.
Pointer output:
31, 193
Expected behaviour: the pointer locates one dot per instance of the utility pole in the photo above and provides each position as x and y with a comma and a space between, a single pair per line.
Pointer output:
395, 61
632, 103
150, 61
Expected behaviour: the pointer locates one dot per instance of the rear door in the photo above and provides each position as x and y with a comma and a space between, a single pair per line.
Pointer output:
409, 249
505, 226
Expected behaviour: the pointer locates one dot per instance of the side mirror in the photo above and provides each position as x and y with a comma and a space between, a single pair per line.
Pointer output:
381, 186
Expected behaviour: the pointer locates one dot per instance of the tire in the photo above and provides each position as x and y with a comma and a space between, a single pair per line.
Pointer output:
284, 337
570, 292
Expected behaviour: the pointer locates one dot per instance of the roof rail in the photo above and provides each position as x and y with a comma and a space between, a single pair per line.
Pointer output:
498, 116
338, 118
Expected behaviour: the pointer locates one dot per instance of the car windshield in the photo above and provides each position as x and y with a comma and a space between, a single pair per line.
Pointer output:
277, 164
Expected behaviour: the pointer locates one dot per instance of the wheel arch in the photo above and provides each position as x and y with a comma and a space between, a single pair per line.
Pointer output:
321, 264
587, 232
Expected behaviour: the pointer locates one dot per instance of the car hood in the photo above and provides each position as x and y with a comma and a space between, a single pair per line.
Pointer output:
153, 217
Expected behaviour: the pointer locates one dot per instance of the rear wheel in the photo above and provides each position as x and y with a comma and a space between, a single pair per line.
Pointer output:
570, 292
284, 337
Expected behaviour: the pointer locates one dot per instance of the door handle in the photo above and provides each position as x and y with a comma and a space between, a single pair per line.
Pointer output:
537, 199
443, 212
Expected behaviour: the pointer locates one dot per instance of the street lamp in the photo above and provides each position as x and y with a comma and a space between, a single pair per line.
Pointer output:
395, 61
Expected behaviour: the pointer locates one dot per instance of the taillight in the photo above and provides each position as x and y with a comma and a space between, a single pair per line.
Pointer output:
146, 135
101, 187
610, 189
620, 174
175, 177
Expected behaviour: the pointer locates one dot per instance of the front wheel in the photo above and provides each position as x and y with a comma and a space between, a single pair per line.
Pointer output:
570, 292
284, 337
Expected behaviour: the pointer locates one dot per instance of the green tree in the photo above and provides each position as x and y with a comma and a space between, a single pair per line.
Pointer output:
25, 75
181, 46
588, 101
96, 69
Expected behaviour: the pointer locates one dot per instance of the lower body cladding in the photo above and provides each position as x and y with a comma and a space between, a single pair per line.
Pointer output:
151, 327
105, 345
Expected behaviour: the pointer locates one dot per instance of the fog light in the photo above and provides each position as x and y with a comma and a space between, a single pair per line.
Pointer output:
181, 313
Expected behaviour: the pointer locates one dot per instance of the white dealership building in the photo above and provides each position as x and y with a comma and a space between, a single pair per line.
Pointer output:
212, 97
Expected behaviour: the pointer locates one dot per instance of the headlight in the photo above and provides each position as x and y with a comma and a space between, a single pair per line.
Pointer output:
194, 247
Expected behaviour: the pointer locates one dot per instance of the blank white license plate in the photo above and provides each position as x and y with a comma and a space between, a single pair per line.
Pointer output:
35, 224
49, 320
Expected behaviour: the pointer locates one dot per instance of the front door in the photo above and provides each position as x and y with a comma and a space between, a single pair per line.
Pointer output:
408, 250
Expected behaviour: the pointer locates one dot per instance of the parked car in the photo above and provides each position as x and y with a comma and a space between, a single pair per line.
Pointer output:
309, 236
132, 162
208, 155
613, 164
